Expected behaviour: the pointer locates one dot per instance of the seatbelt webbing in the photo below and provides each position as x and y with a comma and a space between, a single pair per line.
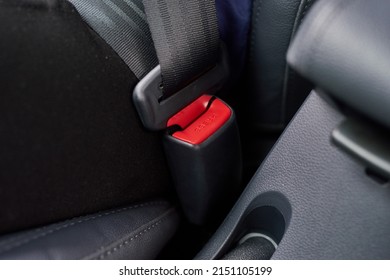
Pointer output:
184, 33
123, 25
186, 38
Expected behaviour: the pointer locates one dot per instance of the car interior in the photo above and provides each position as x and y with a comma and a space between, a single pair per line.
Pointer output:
207, 130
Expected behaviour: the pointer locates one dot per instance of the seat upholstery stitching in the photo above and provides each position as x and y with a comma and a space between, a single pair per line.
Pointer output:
106, 252
8, 247
255, 28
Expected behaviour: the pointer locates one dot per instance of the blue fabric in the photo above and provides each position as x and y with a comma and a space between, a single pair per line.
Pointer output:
234, 18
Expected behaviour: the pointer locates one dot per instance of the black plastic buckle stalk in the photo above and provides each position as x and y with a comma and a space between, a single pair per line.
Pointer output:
154, 112
204, 154
206, 171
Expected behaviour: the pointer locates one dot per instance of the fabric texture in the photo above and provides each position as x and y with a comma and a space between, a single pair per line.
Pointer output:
186, 37
184, 43
71, 142
122, 24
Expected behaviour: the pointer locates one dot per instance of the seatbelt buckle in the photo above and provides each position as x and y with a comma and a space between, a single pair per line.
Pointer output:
155, 111
202, 142
204, 156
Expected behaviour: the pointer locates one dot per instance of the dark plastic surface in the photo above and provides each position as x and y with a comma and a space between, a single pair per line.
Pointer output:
343, 47
206, 175
367, 142
255, 248
265, 220
333, 210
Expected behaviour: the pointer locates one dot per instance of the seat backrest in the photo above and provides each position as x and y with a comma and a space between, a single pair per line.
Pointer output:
70, 140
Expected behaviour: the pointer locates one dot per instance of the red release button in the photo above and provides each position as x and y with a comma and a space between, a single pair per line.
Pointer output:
190, 113
206, 125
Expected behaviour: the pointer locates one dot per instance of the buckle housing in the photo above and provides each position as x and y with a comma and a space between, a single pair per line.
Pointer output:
155, 113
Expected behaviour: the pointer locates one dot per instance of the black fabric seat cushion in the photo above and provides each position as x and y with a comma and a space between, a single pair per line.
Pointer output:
70, 140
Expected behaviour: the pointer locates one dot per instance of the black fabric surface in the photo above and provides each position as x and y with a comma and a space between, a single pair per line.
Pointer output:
70, 141
186, 37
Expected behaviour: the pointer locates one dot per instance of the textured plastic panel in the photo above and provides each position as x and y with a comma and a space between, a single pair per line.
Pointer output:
337, 211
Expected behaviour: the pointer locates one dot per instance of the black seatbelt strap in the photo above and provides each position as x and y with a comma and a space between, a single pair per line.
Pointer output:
201, 138
123, 25
191, 59
186, 38
172, 46
183, 33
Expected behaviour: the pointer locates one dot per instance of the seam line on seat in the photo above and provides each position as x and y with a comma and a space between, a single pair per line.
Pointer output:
72, 223
254, 29
128, 240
